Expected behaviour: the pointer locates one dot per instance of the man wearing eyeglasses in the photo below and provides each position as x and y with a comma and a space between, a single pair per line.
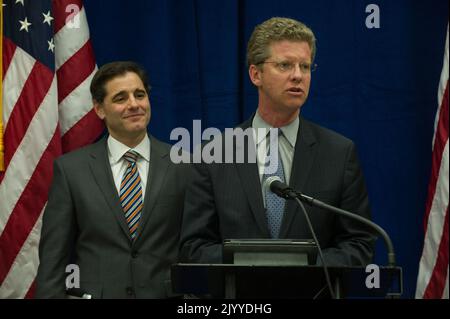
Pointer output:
230, 201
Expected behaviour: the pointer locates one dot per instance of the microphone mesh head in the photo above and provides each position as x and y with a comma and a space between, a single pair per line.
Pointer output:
269, 180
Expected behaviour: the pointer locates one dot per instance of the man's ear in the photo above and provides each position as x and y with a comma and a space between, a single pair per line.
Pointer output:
98, 108
255, 75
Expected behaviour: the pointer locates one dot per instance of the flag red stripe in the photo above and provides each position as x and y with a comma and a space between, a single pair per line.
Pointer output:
30, 292
33, 93
27, 210
75, 70
86, 131
59, 8
436, 285
439, 144
8, 51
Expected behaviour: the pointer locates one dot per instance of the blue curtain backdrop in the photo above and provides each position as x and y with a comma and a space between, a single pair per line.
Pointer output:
375, 86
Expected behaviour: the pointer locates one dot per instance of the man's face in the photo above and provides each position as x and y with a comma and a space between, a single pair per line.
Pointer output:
283, 90
125, 108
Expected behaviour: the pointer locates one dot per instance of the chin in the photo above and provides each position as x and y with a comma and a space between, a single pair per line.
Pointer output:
136, 127
293, 107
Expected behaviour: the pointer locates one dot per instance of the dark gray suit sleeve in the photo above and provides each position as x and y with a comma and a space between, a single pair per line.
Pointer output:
57, 238
353, 241
200, 235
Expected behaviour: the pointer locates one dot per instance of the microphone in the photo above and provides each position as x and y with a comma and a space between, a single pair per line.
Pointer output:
275, 184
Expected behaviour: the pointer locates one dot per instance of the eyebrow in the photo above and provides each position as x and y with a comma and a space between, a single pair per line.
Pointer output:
118, 94
125, 92
291, 60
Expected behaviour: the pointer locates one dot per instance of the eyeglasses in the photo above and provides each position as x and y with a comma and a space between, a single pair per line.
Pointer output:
286, 66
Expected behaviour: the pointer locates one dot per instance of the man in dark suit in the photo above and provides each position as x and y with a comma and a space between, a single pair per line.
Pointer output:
227, 200
115, 207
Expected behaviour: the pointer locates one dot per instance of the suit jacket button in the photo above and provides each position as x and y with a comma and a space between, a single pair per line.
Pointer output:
134, 254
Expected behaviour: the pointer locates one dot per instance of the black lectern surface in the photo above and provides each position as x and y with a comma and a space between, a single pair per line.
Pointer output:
270, 252
247, 281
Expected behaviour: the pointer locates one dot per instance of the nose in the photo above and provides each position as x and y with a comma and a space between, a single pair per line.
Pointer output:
296, 74
132, 101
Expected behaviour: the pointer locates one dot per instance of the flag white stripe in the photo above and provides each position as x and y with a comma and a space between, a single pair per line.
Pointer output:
25, 266
17, 74
76, 105
70, 40
435, 226
28, 154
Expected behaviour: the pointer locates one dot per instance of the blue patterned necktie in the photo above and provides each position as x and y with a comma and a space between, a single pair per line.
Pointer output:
131, 193
274, 204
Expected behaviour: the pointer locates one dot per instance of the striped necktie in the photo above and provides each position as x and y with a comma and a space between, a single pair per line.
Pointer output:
131, 193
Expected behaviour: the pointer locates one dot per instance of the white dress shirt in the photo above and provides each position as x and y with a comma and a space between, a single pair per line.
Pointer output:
116, 150
286, 146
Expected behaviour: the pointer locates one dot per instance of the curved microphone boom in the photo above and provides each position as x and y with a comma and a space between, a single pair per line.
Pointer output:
281, 189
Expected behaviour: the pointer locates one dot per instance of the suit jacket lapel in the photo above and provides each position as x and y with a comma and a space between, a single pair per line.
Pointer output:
304, 155
155, 179
101, 170
248, 173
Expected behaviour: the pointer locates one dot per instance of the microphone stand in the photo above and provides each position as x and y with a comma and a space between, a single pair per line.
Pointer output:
289, 193
319, 249
317, 203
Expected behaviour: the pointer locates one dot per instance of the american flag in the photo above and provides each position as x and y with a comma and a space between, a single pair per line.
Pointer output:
48, 63
432, 280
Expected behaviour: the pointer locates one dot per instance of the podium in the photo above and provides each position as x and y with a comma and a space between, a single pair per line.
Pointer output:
306, 282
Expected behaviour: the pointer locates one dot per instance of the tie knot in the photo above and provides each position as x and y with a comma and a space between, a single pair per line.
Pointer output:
273, 137
131, 156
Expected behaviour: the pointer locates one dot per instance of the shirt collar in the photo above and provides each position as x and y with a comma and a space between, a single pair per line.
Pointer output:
289, 131
117, 149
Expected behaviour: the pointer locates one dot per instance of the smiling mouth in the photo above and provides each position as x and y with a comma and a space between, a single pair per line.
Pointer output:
134, 115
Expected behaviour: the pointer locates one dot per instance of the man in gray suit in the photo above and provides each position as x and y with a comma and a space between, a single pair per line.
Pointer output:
115, 207
227, 201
